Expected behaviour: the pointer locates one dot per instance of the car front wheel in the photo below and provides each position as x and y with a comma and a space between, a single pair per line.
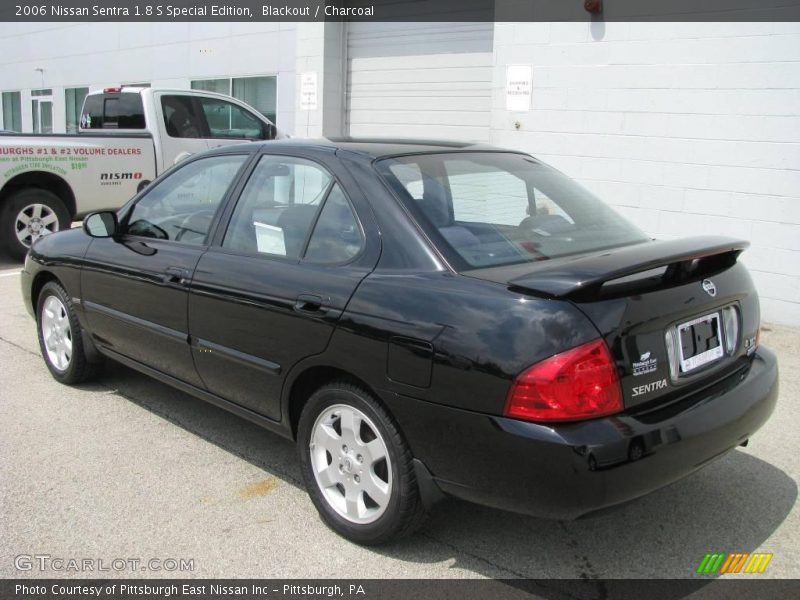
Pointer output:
61, 337
357, 468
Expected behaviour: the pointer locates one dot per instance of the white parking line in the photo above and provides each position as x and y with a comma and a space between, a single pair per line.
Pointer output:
10, 273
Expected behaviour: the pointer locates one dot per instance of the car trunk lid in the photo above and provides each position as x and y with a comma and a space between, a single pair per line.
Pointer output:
677, 315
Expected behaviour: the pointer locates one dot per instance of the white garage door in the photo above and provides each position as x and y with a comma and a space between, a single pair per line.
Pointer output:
419, 80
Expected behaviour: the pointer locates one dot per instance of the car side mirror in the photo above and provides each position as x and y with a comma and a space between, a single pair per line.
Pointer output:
101, 224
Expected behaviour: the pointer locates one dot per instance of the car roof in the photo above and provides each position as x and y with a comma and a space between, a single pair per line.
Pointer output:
380, 148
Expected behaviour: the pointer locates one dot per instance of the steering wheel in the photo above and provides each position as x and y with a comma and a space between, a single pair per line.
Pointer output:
197, 220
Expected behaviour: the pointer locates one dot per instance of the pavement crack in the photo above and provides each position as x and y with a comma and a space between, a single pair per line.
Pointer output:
473, 556
17, 346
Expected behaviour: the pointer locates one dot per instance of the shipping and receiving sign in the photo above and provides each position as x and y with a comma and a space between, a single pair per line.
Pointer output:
308, 90
519, 84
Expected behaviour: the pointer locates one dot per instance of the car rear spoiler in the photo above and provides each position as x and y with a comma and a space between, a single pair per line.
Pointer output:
585, 275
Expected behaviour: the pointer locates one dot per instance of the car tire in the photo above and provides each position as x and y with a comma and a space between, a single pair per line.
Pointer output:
61, 337
28, 213
343, 464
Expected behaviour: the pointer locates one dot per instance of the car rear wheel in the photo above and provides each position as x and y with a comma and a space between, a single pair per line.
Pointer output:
28, 215
357, 468
61, 337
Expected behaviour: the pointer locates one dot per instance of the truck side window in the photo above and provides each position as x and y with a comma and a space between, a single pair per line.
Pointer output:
180, 117
113, 111
227, 120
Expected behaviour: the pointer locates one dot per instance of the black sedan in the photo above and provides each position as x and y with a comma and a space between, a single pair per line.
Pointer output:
426, 319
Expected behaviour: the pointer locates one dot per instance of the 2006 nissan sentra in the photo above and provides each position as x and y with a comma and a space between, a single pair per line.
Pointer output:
424, 318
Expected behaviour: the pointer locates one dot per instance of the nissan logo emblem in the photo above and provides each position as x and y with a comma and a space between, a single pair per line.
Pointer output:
709, 287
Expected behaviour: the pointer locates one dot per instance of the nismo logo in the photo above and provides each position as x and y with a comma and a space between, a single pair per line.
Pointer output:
737, 562
114, 176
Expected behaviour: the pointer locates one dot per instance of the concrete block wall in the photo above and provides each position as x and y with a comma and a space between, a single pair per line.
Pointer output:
163, 54
686, 128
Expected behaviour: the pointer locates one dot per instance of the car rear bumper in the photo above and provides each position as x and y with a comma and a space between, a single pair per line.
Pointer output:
567, 470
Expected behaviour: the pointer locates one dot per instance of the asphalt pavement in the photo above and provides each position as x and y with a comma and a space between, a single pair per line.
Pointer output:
128, 468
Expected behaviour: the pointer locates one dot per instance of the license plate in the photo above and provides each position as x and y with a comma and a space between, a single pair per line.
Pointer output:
700, 342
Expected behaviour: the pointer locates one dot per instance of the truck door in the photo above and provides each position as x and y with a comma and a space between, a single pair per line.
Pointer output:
182, 127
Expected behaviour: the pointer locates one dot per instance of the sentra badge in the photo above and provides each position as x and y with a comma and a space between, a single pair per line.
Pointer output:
641, 390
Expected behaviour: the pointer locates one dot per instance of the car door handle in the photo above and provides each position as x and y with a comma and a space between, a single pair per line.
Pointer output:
309, 303
176, 276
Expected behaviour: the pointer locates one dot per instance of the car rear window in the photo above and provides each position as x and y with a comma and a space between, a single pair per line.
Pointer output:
113, 111
487, 209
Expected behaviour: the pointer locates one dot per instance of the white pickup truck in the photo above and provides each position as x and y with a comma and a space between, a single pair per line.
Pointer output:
127, 137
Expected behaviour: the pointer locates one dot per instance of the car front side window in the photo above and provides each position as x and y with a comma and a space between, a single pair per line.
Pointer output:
182, 206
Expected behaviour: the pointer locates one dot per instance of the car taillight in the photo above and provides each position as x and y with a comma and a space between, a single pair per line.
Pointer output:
581, 383
730, 322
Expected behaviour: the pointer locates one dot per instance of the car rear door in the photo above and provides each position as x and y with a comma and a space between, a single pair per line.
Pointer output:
271, 289
135, 287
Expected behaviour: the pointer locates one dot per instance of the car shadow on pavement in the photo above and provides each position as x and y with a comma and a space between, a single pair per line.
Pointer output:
732, 505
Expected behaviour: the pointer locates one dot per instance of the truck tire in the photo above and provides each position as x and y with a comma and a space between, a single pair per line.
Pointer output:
28, 214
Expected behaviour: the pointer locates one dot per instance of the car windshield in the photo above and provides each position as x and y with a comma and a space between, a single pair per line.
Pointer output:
491, 208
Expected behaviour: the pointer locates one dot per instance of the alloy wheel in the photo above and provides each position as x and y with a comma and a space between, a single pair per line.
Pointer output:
56, 333
351, 464
34, 221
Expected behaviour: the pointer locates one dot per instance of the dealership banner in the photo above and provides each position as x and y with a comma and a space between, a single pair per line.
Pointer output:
396, 589
399, 10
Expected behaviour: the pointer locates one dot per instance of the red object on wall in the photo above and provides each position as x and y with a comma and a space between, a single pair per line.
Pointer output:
593, 6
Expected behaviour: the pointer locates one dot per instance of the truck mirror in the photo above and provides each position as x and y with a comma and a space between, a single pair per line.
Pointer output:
101, 224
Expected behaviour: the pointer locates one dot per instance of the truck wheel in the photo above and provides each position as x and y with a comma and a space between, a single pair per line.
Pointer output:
27, 215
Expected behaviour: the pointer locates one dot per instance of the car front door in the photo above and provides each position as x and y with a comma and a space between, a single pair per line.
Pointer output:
135, 286
270, 290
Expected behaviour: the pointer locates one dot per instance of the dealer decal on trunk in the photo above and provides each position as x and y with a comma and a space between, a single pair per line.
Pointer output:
645, 365
641, 390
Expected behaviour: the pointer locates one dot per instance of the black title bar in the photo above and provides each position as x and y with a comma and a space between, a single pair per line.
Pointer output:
399, 10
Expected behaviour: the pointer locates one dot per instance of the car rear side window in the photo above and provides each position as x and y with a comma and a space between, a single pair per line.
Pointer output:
486, 209
278, 207
337, 236
181, 208
113, 111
